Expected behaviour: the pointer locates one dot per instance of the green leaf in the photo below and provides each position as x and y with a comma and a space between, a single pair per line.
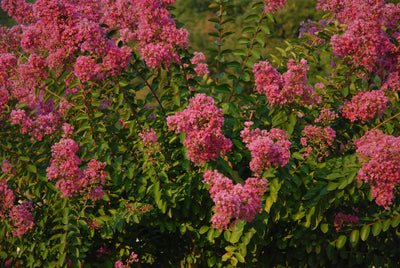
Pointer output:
249, 30
237, 232
210, 235
265, 29
395, 221
239, 257
3, 254
260, 40
354, 237
32, 168
257, 5
377, 228
82, 117
226, 256
223, 88
365, 232
342, 183
386, 225
244, 40
268, 203
324, 228
61, 259
65, 215
341, 241
252, 17
203, 229
24, 158
332, 186
239, 52
157, 192
227, 235
255, 53
230, 248
234, 261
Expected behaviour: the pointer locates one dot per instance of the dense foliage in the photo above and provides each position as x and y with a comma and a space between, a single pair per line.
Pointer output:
121, 146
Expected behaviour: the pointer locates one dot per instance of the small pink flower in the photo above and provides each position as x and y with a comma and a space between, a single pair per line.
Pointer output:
6, 166
119, 264
326, 117
341, 219
272, 6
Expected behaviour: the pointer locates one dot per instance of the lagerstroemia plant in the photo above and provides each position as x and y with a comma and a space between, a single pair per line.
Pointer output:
242, 160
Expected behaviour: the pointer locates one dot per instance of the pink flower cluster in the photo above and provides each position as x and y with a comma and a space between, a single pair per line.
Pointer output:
6, 199
21, 218
202, 122
86, 68
10, 39
132, 258
46, 119
3, 99
156, 32
8, 64
365, 38
234, 202
6, 166
392, 82
72, 181
365, 105
267, 148
318, 140
342, 219
201, 68
103, 251
150, 141
149, 137
326, 117
199, 60
288, 88
380, 157
272, 6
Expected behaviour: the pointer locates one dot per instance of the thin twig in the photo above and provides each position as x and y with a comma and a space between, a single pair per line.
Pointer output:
219, 42
131, 107
297, 168
184, 73
89, 115
248, 55
61, 98
150, 87
387, 120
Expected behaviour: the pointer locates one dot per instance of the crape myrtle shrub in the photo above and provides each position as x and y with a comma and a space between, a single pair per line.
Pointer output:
240, 163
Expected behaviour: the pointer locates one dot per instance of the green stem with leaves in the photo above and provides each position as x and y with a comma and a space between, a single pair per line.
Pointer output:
248, 55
